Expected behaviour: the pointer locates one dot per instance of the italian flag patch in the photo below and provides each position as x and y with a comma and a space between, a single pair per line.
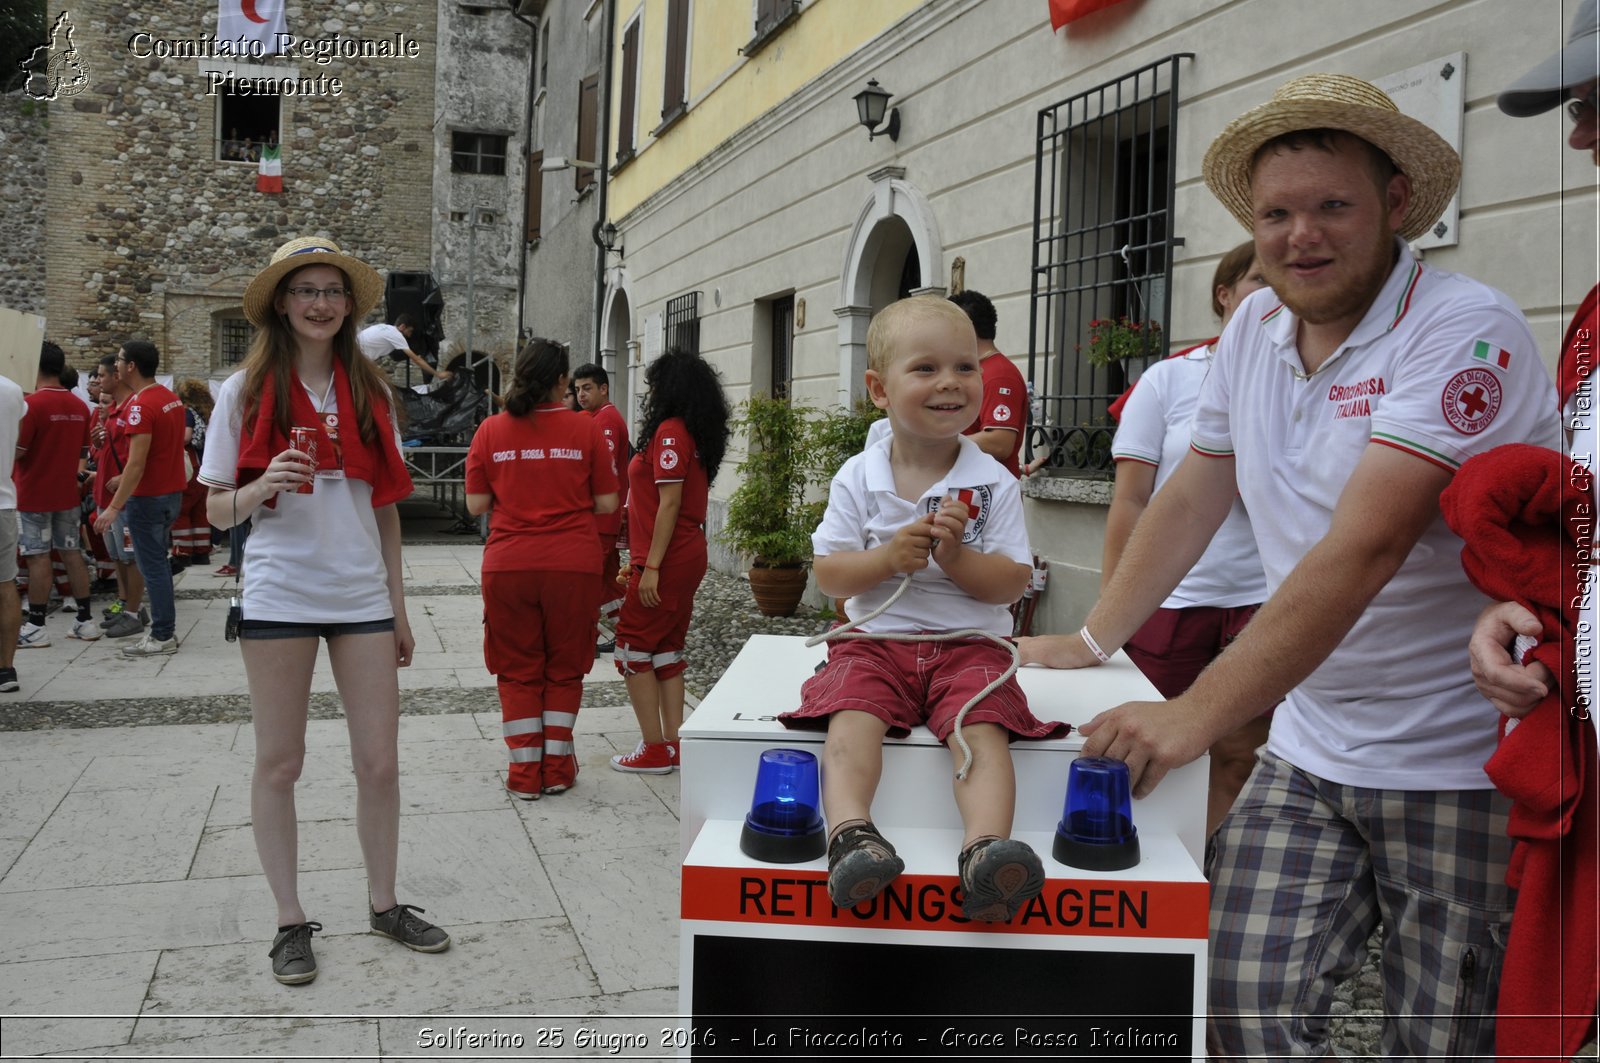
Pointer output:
1484, 351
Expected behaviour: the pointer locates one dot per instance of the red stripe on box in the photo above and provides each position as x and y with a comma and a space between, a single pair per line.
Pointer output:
1066, 907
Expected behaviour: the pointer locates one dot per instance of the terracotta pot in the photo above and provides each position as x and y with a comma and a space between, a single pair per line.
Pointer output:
777, 589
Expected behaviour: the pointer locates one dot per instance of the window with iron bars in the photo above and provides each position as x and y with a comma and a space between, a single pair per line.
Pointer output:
1102, 259
683, 323
232, 341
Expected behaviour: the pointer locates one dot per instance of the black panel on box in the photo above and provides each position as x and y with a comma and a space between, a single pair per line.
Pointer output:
762, 998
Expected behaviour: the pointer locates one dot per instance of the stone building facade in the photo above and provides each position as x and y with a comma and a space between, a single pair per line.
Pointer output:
23, 128
560, 259
479, 169
151, 229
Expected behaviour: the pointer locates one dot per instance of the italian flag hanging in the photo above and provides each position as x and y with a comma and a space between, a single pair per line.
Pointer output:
269, 177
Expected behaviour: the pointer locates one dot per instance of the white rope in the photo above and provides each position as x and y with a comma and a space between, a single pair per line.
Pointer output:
848, 631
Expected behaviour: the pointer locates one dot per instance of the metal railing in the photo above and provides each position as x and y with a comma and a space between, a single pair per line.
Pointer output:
1102, 258
683, 323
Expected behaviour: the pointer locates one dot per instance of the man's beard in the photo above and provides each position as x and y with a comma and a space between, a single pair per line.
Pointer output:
1351, 299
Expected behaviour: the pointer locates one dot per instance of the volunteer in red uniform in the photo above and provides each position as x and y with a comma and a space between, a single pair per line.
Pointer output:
593, 387
127, 615
150, 489
681, 442
1004, 414
52, 445
544, 471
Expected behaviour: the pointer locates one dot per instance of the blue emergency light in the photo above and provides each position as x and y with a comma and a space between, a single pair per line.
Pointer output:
785, 821
1096, 831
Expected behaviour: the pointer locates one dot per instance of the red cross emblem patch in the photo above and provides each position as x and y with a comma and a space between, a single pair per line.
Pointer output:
1471, 399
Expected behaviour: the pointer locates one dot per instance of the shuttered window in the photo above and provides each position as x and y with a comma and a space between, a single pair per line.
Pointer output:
588, 115
630, 90
535, 205
674, 96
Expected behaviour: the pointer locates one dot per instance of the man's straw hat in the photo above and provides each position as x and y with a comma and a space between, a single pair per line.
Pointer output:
311, 251
1336, 101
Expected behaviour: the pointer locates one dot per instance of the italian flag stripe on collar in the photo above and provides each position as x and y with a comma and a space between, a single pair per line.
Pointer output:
1426, 453
1209, 452
1404, 303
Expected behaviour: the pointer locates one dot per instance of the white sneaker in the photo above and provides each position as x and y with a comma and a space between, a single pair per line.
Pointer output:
150, 646
85, 631
32, 636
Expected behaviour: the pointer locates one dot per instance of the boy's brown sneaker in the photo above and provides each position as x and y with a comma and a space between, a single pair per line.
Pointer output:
998, 877
861, 864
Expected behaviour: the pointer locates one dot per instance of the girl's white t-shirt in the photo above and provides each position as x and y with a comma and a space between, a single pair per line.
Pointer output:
312, 558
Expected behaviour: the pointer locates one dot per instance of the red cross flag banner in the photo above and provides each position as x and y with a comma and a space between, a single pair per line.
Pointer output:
1065, 11
269, 175
251, 26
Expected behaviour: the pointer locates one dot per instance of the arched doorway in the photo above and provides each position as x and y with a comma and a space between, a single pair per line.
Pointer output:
618, 350
894, 251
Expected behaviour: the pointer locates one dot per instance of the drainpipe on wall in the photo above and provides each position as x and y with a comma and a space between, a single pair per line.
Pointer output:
527, 149
603, 172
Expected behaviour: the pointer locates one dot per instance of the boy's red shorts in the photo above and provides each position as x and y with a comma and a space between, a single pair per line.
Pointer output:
909, 683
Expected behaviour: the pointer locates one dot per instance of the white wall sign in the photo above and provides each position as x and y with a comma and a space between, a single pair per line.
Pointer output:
1434, 93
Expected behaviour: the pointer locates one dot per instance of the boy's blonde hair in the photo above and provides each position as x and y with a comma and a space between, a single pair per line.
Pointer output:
889, 324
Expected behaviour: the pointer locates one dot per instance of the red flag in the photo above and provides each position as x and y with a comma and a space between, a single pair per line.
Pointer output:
1065, 11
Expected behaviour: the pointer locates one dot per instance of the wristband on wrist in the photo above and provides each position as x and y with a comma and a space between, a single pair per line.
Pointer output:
1094, 647
652, 568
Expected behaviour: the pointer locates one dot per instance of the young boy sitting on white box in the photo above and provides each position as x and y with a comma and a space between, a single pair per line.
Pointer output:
925, 502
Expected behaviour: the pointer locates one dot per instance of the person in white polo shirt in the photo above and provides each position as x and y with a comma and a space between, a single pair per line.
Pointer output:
1339, 405
380, 341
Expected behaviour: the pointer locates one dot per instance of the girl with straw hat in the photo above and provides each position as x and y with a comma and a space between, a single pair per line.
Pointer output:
303, 442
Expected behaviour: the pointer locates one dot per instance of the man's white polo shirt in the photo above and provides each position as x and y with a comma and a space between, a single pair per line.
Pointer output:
864, 512
1442, 368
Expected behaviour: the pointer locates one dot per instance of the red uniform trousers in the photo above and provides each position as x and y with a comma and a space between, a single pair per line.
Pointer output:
610, 590
191, 529
653, 639
538, 640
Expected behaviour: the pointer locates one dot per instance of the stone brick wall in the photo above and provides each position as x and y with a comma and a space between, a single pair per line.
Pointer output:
22, 189
150, 233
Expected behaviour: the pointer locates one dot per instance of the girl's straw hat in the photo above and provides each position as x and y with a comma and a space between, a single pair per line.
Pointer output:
311, 251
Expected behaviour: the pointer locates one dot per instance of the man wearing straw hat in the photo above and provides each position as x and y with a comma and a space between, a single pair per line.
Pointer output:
1340, 403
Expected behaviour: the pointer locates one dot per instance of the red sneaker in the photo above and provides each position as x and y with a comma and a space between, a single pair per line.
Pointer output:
648, 758
677, 764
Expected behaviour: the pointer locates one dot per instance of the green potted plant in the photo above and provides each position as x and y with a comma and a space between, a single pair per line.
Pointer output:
789, 450
768, 518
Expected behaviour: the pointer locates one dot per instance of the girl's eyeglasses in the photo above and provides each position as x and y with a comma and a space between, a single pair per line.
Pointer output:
310, 295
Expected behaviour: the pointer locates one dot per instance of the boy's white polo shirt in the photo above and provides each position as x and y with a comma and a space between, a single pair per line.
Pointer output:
1442, 368
1154, 430
864, 512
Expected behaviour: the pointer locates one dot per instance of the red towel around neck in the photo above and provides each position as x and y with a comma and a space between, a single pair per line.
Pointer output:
1523, 511
378, 463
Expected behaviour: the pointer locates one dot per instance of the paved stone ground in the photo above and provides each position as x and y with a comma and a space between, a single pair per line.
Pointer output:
130, 888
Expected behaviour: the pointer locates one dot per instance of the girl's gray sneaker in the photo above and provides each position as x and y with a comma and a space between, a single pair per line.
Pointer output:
416, 934
292, 960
